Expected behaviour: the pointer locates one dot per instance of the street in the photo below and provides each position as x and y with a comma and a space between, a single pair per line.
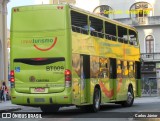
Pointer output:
109, 112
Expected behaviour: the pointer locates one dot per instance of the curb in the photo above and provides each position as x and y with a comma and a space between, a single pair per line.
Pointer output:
10, 110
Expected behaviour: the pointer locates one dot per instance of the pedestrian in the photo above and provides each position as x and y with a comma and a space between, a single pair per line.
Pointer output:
3, 91
86, 27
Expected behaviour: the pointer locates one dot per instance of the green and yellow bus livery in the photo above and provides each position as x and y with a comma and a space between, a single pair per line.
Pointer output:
55, 61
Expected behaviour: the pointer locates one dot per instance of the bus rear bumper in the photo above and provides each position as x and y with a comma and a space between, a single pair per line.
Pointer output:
41, 99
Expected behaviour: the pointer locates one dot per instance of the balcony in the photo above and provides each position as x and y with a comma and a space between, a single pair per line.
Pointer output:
151, 20
150, 57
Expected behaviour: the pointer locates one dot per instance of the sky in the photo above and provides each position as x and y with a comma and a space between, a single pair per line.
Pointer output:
14, 3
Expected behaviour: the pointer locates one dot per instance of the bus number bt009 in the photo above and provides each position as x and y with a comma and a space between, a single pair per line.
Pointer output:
54, 68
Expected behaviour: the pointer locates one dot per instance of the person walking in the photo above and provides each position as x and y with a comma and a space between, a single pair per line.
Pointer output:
3, 91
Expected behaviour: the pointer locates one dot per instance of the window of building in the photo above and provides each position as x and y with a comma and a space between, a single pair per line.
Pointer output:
141, 10
149, 44
104, 10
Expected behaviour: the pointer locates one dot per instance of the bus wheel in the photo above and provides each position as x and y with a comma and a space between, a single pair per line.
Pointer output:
96, 100
49, 109
130, 98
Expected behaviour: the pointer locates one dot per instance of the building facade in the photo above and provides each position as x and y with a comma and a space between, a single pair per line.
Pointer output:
3, 41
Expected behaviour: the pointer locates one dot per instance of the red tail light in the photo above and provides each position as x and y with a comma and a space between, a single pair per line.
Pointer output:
68, 78
12, 73
60, 7
12, 76
16, 10
12, 79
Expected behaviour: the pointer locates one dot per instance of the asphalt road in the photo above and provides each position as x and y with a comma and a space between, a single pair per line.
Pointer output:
109, 112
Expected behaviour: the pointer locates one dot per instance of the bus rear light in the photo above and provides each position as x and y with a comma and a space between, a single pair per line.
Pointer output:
68, 78
12, 79
60, 7
67, 72
12, 73
16, 10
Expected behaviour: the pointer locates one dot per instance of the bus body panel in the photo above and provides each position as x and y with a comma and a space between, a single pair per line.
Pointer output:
111, 89
62, 98
40, 54
31, 77
99, 47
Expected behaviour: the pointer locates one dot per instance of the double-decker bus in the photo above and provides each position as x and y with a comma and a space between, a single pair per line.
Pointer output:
62, 55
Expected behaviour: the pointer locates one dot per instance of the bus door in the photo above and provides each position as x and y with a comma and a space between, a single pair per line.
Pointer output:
113, 76
138, 77
84, 76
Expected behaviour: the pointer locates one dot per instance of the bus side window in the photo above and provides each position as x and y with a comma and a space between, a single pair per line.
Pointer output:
94, 66
76, 63
97, 25
133, 38
125, 69
110, 31
119, 69
122, 35
78, 20
128, 68
131, 69
103, 68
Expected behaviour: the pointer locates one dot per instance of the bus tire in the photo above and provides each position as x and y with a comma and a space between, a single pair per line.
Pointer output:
49, 109
130, 98
96, 101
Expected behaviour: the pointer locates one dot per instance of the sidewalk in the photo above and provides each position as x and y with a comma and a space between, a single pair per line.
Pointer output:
8, 107
147, 100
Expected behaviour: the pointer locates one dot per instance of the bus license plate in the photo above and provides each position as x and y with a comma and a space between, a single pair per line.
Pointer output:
39, 89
